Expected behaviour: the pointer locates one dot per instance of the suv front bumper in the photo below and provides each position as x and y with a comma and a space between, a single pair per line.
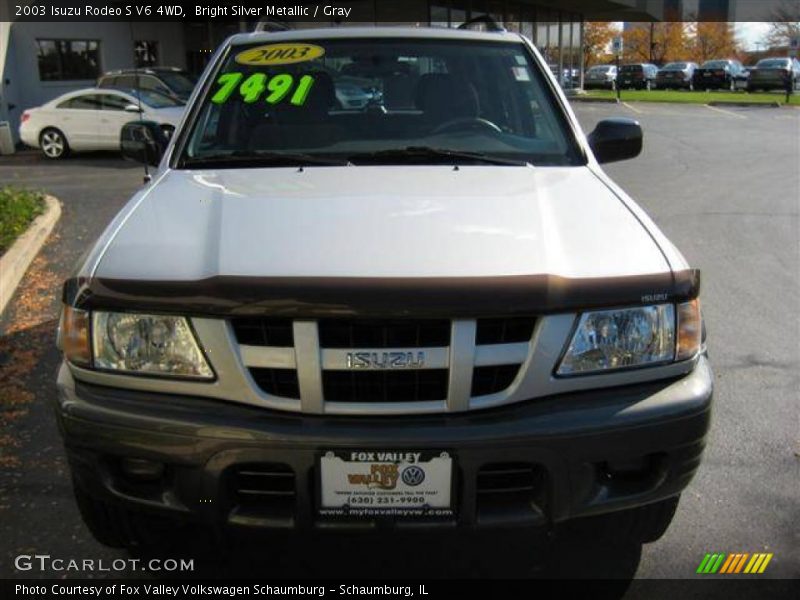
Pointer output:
587, 452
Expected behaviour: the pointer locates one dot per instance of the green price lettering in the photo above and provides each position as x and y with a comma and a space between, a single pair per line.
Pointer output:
278, 88
253, 87
228, 81
303, 88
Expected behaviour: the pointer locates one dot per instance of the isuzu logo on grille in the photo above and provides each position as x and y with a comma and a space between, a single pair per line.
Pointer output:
385, 360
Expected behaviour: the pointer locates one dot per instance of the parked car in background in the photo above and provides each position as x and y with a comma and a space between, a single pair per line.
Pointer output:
725, 74
640, 76
170, 81
676, 75
92, 119
774, 73
601, 76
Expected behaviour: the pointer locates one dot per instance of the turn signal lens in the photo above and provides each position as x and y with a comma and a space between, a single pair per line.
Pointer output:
75, 336
690, 329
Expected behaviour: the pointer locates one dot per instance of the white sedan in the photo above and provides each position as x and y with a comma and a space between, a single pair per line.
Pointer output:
92, 119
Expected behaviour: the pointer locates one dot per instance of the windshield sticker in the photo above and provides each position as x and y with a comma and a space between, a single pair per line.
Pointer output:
279, 54
521, 73
251, 89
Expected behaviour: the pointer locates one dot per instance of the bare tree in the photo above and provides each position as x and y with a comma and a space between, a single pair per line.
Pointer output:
785, 26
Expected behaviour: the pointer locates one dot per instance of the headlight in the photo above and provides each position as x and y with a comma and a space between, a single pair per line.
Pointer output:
148, 345
618, 339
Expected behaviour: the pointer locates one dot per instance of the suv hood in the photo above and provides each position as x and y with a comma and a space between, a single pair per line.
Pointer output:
380, 222
375, 226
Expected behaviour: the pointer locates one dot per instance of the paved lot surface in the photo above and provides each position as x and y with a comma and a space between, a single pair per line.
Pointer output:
724, 184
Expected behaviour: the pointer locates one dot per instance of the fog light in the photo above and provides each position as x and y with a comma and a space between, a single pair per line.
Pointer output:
141, 469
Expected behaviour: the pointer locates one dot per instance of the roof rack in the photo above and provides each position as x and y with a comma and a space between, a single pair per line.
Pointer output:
271, 25
487, 23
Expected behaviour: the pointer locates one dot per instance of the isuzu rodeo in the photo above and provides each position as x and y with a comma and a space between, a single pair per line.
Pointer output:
379, 278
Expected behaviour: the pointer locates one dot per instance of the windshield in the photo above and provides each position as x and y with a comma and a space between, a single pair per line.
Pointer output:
381, 101
773, 63
715, 64
674, 67
155, 99
181, 83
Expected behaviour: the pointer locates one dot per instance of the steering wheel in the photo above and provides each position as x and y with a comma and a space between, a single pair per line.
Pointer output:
467, 123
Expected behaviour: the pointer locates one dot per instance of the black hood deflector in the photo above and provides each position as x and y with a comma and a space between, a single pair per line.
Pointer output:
315, 297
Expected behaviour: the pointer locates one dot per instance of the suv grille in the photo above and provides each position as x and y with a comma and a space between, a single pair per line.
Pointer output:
385, 386
382, 361
277, 382
504, 331
490, 380
431, 333
258, 331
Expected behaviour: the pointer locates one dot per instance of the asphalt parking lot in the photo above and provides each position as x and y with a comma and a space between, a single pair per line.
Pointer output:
724, 185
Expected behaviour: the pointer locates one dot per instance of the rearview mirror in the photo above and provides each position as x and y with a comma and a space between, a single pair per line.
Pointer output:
616, 139
143, 142
132, 108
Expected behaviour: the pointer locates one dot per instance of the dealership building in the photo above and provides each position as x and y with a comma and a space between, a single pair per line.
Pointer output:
41, 60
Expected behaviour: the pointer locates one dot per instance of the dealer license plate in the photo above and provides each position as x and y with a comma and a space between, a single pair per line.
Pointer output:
386, 483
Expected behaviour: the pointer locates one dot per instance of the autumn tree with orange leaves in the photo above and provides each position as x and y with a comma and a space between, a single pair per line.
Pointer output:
596, 39
657, 42
713, 40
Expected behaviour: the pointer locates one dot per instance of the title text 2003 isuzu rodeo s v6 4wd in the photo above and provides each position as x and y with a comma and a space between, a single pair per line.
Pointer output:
380, 279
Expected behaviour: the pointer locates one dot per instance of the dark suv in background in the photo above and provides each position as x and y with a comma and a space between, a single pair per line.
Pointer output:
170, 81
640, 76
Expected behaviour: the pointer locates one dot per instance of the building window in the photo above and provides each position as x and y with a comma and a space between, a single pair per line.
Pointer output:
68, 60
145, 53
440, 15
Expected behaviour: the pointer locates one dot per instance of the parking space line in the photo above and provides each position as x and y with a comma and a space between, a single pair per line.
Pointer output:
633, 108
725, 112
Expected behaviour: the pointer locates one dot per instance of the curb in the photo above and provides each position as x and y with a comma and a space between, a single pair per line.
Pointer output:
597, 100
15, 262
745, 104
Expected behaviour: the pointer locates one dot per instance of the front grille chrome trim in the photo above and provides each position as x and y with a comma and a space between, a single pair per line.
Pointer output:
462, 362
268, 357
309, 366
501, 354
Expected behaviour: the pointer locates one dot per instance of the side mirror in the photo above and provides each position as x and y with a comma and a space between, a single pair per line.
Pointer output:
143, 142
616, 139
132, 108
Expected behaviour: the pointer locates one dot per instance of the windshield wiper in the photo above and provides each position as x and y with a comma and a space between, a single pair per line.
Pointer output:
242, 160
427, 154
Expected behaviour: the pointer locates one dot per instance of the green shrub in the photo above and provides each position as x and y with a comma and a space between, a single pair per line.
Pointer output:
18, 208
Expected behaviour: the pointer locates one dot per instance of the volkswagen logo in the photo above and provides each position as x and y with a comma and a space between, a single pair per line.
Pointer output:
413, 475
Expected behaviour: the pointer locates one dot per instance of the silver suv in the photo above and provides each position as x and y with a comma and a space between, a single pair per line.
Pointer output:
431, 309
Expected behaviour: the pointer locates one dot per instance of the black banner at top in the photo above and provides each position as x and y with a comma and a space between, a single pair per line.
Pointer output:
419, 12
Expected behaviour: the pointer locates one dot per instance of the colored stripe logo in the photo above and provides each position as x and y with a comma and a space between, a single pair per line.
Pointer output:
729, 564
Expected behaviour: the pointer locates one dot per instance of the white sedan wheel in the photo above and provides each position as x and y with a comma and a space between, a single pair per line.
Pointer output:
53, 143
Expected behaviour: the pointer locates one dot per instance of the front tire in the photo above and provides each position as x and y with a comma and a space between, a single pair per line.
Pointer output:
53, 144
